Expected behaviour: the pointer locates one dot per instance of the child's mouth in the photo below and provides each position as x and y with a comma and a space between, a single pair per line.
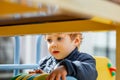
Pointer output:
55, 52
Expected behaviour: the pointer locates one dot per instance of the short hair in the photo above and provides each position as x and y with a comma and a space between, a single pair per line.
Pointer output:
73, 35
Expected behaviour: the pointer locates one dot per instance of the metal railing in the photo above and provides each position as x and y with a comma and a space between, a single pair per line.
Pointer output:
17, 66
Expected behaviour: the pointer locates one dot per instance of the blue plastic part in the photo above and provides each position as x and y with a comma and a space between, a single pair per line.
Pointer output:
17, 54
38, 49
18, 66
70, 78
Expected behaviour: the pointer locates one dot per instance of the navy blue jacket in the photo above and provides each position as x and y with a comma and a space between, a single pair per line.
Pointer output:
79, 65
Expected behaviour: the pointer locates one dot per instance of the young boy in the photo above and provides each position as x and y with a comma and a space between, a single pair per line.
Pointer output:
66, 60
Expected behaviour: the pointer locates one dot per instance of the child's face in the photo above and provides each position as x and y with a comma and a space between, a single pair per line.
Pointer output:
60, 45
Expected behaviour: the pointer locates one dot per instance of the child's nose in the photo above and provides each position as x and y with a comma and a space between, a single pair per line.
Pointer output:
54, 44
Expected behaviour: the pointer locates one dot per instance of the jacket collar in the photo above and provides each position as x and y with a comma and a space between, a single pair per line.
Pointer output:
70, 56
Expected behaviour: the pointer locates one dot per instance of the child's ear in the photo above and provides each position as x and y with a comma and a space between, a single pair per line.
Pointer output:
77, 41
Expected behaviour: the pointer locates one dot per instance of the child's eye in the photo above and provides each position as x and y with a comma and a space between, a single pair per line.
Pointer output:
49, 40
59, 38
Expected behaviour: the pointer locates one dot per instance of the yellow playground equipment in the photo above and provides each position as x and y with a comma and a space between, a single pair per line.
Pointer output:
105, 69
73, 16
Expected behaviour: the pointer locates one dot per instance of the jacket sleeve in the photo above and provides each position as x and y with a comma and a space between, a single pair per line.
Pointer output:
84, 68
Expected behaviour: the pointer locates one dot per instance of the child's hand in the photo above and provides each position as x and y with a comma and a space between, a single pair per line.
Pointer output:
38, 71
58, 73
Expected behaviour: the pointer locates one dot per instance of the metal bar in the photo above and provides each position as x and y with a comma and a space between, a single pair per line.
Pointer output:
38, 49
16, 54
18, 66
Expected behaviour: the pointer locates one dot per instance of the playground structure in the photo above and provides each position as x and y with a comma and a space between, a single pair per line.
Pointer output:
103, 68
22, 26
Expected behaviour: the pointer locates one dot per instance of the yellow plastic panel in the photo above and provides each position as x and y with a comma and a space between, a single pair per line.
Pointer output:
41, 77
67, 26
102, 68
118, 54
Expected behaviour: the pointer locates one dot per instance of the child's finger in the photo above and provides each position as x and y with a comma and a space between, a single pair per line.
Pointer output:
47, 78
32, 72
63, 77
38, 71
57, 77
51, 77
